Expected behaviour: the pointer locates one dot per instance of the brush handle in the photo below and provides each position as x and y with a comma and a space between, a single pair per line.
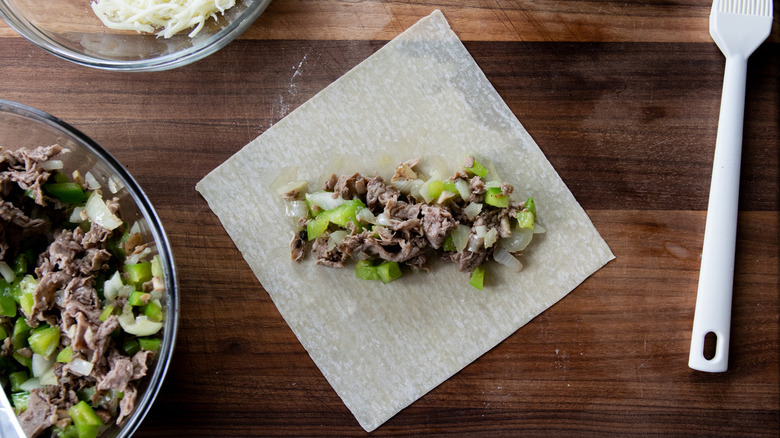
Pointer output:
716, 277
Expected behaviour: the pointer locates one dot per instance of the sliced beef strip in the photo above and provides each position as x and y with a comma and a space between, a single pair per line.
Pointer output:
40, 414
437, 224
298, 246
349, 186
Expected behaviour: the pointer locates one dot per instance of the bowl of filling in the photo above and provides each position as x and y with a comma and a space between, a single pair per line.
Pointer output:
88, 289
131, 35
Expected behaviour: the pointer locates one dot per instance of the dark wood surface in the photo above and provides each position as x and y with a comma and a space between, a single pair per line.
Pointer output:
622, 97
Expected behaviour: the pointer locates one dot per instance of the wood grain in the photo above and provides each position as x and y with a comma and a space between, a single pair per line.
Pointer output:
622, 97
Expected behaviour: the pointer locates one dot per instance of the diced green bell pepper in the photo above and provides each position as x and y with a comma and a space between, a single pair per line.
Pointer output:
525, 219
316, 226
153, 311
20, 399
157, 270
449, 244
450, 186
530, 206
68, 431
138, 273
137, 298
67, 192
3, 334
17, 378
131, 347
86, 431
388, 271
44, 340
365, 270
478, 277
20, 334
27, 301
478, 169
65, 355
150, 344
22, 263
26, 285
83, 414
107, 311
435, 188
7, 306
344, 213
495, 197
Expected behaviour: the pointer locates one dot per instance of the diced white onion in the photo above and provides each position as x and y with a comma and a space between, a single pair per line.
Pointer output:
503, 257
135, 257
299, 186
336, 238
30, 384
539, 229
7, 272
424, 192
519, 239
78, 215
445, 195
364, 215
492, 184
92, 182
112, 285
492, 172
115, 184
478, 240
383, 220
125, 291
98, 212
52, 165
139, 326
325, 200
404, 185
49, 378
41, 365
460, 237
463, 189
296, 209
81, 366
490, 237
472, 210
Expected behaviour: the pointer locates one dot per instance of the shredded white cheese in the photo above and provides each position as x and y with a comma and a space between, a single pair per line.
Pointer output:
169, 16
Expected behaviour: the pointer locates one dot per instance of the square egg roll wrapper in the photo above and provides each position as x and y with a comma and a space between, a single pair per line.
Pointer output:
380, 346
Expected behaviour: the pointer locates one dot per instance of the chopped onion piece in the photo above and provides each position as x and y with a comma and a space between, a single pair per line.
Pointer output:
136, 257
445, 195
41, 365
325, 200
539, 229
91, 181
463, 189
296, 209
490, 237
81, 366
364, 215
52, 165
519, 239
383, 220
112, 285
492, 184
78, 215
49, 378
30, 384
7, 272
472, 210
294, 186
478, 239
98, 212
336, 238
140, 325
125, 291
460, 237
503, 257
115, 184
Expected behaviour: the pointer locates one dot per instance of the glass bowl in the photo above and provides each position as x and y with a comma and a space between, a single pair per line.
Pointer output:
22, 126
71, 30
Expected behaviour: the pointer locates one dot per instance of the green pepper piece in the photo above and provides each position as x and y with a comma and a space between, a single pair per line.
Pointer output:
450, 186
20, 400
22, 263
17, 379
107, 311
435, 188
27, 301
3, 333
153, 311
344, 213
495, 197
68, 431
86, 431
477, 277
138, 273
365, 270
60, 177
23, 360
316, 226
26, 285
525, 219
137, 298
83, 414
44, 340
388, 271
5, 287
157, 270
478, 169
150, 344
20, 334
65, 355
530, 206
7, 306
449, 244
131, 347
67, 192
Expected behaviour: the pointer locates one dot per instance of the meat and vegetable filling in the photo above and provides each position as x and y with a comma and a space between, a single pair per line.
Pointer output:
467, 219
80, 299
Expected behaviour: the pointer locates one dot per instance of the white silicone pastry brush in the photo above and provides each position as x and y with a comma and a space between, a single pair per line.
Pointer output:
738, 28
